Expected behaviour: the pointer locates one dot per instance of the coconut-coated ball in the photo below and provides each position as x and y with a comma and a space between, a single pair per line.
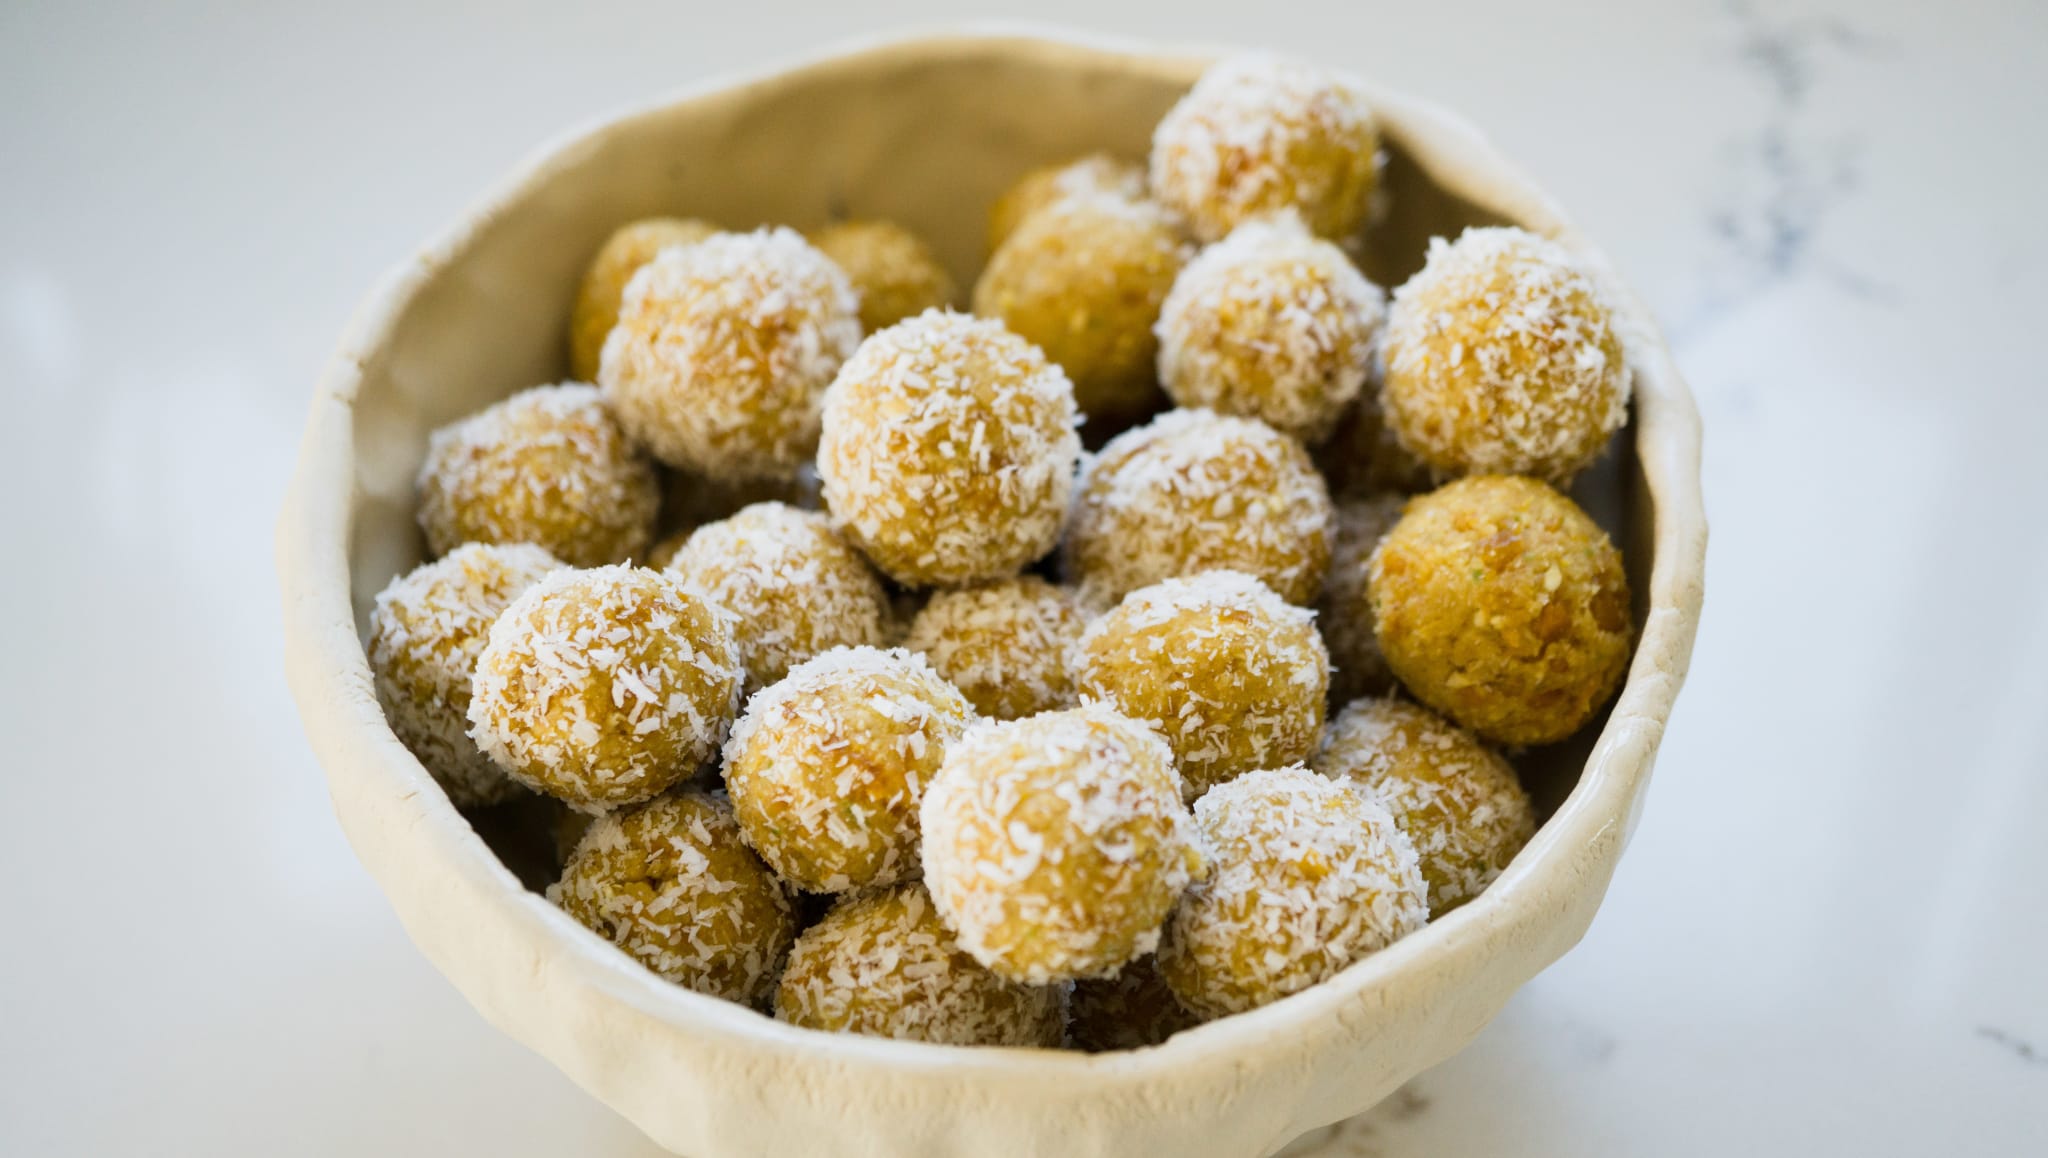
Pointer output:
602, 688
1501, 358
723, 350
1097, 173
1083, 278
882, 963
670, 882
1499, 603
689, 501
795, 588
827, 767
1270, 323
426, 631
949, 450
1131, 1010
1258, 134
604, 282
1307, 876
548, 466
1231, 674
1055, 846
1196, 491
1005, 645
1345, 614
1457, 800
895, 273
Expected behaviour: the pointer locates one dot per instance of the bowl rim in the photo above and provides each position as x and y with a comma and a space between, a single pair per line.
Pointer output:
331, 681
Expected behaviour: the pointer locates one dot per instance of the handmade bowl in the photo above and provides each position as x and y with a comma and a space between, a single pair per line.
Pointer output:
926, 132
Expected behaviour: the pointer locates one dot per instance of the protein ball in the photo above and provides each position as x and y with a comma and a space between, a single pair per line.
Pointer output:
1195, 491
602, 688
1307, 876
1056, 846
1345, 614
1232, 675
895, 274
548, 466
827, 767
1270, 323
882, 963
1502, 359
1132, 1010
691, 500
426, 631
1499, 603
949, 450
1258, 134
1083, 278
1005, 645
604, 283
670, 883
1097, 173
795, 588
723, 350
1457, 800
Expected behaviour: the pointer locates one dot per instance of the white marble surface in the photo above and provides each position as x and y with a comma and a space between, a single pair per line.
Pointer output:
1828, 937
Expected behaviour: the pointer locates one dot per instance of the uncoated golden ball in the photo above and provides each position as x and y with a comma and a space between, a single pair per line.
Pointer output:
1345, 614
1307, 876
827, 767
949, 450
604, 283
602, 688
895, 274
1259, 134
723, 350
671, 883
1097, 173
1055, 846
547, 466
1005, 645
1083, 278
1501, 358
1499, 603
1457, 800
1195, 491
1270, 323
1132, 1010
882, 963
1232, 675
427, 629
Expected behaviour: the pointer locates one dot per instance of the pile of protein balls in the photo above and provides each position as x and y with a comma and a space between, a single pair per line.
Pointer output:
925, 723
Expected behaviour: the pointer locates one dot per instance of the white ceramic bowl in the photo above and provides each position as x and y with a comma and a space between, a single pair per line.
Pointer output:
926, 132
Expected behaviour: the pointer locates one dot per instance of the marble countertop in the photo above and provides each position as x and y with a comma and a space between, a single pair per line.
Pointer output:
1827, 937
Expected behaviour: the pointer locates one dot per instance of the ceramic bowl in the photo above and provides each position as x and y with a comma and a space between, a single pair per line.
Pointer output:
926, 132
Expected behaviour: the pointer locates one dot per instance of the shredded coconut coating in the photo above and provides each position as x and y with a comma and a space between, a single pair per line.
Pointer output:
895, 273
670, 883
1363, 458
426, 631
1084, 278
1270, 323
882, 963
1345, 613
1132, 1010
1308, 876
602, 688
1232, 675
1499, 603
724, 348
1196, 491
949, 450
1005, 645
691, 500
1097, 173
548, 466
795, 588
1258, 134
827, 767
1501, 359
604, 282
1056, 846
1457, 800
